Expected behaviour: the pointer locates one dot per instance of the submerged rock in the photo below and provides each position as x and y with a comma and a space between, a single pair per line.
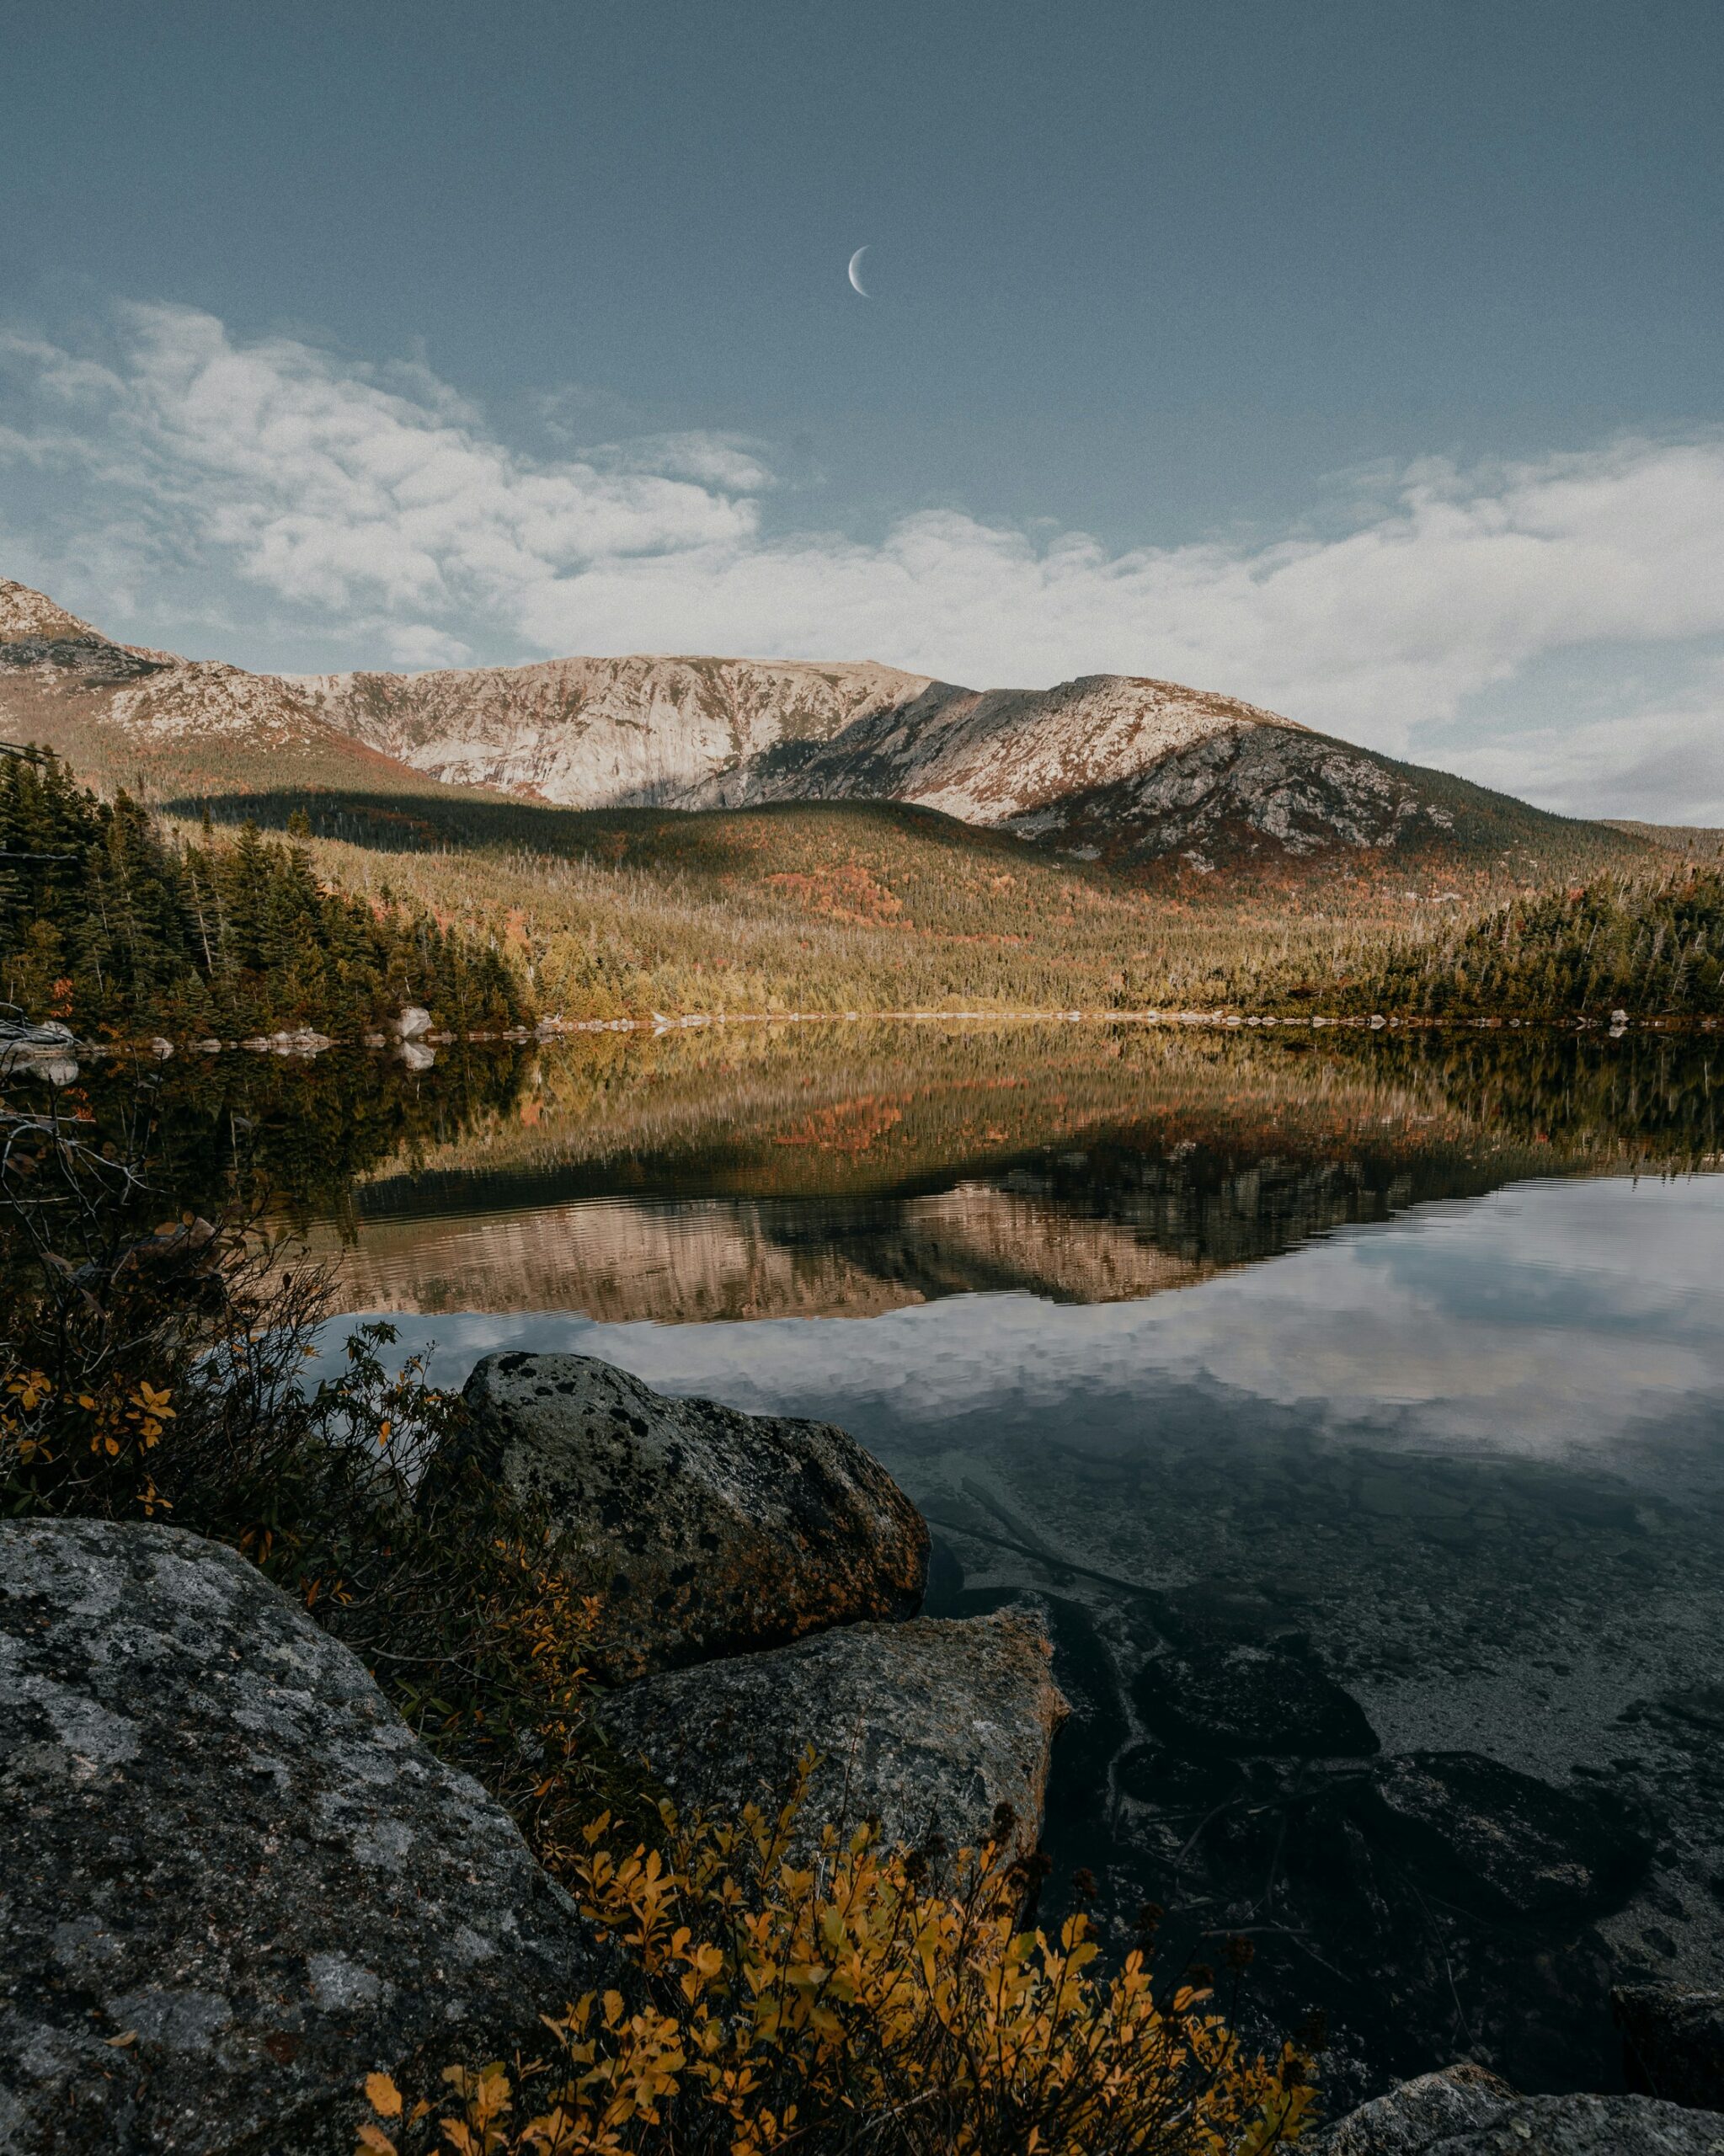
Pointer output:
1464, 2111
1241, 1700
231, 1880
1673, 2036
1506, 1843
705, 1531
925, 1726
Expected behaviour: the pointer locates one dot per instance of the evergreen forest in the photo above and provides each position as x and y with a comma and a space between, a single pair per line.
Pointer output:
110, 926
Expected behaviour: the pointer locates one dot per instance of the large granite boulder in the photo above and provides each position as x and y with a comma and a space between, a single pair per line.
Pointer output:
231, 1881
705, 1531
1464, 2111
927, 1725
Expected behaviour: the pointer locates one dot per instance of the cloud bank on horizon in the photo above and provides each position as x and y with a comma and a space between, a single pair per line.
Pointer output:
316, 511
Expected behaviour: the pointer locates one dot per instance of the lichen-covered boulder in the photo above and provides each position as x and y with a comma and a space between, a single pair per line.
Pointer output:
1672, 2036
1464, 2111
1412, 2117
927, 1725
231, 1881
705, 1531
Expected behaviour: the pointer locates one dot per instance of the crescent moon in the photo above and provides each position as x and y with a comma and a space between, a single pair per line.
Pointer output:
855, 265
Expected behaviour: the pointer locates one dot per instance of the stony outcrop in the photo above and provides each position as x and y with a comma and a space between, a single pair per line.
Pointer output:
231, 1881
1464, 2111
706, 1531
927, 1725
1672, 2037
1417, 2114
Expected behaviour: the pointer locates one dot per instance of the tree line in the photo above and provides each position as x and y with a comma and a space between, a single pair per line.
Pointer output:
1649, 948
113, 926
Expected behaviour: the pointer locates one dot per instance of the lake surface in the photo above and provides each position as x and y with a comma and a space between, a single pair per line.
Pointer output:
1353, 1413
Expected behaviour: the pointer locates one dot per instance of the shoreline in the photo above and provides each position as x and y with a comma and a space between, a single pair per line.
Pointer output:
308, 1042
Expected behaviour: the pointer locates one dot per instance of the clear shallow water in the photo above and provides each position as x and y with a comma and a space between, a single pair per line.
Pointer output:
1466, 1466
1375, 1498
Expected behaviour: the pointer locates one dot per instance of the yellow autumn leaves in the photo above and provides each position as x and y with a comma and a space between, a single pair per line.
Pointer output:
854, 1998
120, 1420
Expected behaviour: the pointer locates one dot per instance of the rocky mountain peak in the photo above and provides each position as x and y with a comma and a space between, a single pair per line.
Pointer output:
27, 615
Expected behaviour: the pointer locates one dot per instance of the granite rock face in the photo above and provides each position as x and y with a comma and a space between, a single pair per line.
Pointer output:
1464, 2111
925, 1726
1418, 2115
1673, 2038
231, 1881
708, 1532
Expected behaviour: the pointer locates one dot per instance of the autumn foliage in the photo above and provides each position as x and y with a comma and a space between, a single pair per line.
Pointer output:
854, 1997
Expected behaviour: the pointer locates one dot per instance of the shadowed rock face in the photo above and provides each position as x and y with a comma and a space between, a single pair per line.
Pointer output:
1672, 2036
925, 1726
708, 1532
1242, 1698
231, 1881
91, 661
1464, 2111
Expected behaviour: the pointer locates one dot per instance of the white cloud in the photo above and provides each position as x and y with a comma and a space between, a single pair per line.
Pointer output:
378, 503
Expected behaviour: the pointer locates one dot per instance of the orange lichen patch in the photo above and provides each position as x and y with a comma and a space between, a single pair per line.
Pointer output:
847, 893
847, 1127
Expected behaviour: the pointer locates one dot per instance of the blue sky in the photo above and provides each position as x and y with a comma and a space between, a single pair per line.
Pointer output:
1359, 360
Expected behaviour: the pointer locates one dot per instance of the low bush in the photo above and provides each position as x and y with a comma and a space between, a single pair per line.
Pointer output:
871, 1998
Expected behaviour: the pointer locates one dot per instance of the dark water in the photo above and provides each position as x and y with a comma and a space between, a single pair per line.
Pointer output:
1354, 1417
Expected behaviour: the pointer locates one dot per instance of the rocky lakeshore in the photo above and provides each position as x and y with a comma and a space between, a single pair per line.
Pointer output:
233, 1883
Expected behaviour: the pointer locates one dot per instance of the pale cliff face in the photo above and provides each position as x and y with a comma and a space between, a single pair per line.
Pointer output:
1006, 754
1109, 767
725, 733
606, 732
55, 667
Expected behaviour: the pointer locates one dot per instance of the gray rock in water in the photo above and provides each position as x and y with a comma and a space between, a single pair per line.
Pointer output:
705, 1531
231, 1881
1673, 2036
1464, 2111
927, 1726
1506, 1843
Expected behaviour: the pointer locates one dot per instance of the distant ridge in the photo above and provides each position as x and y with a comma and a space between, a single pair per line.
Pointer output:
1140, 775
123, 713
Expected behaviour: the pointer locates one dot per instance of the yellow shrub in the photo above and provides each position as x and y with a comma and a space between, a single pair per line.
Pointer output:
866, 1999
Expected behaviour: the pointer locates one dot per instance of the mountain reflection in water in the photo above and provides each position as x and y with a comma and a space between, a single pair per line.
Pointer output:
1383, 1561
847, 1173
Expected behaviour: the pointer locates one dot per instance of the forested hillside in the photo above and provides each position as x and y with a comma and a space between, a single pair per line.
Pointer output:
109, 926
1645, 947
804, 906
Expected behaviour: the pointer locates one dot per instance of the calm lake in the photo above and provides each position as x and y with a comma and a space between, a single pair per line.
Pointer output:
1351, 1408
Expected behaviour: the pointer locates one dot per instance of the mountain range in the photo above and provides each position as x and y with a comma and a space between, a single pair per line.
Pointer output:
1135, 773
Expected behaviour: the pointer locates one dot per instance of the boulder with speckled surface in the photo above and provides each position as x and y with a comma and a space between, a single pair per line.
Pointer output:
232, 1882
1465, 2111
927, 1725
705, 1532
